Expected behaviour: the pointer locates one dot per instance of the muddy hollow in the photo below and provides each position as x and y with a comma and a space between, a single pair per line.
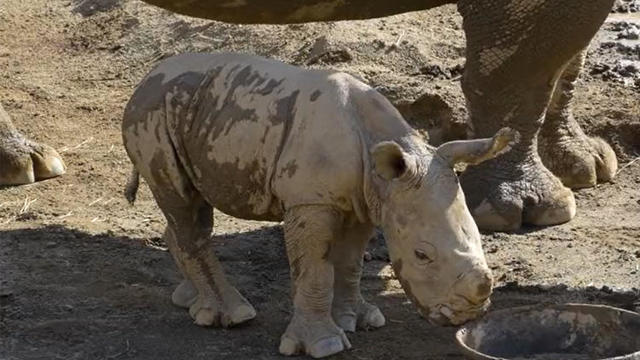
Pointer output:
84, 275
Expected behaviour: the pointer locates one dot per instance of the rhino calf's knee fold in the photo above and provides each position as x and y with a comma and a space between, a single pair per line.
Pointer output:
329, 156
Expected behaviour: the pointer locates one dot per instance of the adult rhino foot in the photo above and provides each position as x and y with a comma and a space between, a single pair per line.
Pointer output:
364, 316
23, 161
579, 161
317, 338
503, 194
206, 311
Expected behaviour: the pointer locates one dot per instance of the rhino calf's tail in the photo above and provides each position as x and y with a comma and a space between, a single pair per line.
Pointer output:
131, 189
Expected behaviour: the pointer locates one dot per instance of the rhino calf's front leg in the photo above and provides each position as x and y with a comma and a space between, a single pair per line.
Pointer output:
309, 231
349, 309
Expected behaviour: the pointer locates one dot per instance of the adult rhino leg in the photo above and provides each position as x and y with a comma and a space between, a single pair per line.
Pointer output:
349, 308
577, 159
309, 232
516, 51
23, 161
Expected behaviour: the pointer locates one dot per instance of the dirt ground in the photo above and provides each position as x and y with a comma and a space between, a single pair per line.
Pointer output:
83, 275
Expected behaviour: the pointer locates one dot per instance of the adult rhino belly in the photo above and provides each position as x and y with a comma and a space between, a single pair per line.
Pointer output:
232, 136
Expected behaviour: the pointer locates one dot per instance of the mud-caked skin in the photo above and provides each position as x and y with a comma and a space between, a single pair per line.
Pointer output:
329, 156
517, 50
23, 161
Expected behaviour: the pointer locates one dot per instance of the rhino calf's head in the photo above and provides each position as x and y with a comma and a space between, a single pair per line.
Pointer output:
433, 241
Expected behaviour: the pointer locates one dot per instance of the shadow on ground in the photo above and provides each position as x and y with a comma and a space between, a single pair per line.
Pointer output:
66, 294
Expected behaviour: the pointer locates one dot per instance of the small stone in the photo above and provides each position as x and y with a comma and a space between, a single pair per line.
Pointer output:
630, 34
367, 256
435, 71
51, 244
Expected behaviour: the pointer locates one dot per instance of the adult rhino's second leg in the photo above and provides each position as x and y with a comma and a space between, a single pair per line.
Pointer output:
577, 159
516, 51
23, 161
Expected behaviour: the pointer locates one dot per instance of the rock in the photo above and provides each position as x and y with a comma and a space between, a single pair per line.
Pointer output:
326, 52
624, 71
627, 68
377, 249
626, 6
630, 34
627, 30
430, 113
434, 71
91, 7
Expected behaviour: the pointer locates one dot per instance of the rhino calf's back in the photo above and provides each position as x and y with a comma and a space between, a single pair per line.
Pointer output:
230, 119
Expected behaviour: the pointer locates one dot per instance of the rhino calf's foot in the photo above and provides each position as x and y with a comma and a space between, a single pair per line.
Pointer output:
579, 161
503, 194
317, 338
236, 311
365, 316
205, 312
184, 295
208, 311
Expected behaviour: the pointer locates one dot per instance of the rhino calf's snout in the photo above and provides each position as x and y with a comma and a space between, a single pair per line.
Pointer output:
475, 286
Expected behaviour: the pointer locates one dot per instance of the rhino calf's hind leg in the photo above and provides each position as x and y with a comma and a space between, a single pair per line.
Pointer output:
309, 232
217, 302
189, 225
349, 309
577, 159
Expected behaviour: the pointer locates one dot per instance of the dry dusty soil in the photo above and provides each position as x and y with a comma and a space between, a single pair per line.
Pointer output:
83, 275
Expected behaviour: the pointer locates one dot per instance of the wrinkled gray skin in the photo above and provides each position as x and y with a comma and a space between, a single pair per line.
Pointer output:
329, 156
523, 57
23, 161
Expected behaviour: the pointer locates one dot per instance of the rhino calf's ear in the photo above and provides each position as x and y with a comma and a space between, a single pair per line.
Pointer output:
478, 150
389, 160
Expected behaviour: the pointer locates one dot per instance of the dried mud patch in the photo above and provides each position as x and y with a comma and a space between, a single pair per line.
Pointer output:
623, 136
91, 7
102, 31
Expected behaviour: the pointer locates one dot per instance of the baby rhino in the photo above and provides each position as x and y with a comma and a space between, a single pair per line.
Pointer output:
332, 158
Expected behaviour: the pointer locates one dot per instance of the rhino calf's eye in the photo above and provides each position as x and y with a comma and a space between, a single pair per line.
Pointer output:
422, 256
